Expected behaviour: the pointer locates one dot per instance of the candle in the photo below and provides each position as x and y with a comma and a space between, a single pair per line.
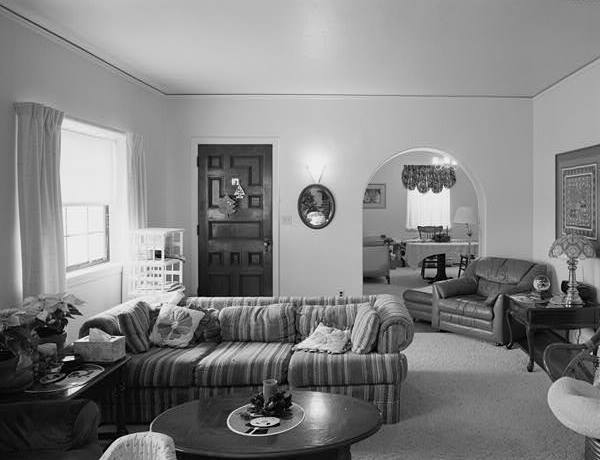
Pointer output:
269, 388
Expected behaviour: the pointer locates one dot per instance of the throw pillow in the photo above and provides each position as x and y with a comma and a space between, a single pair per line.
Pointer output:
325, 339
175, 326
365, 330
134, 324
209, 329
266, 323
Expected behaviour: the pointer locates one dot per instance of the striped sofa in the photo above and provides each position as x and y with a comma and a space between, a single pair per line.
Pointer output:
160, 378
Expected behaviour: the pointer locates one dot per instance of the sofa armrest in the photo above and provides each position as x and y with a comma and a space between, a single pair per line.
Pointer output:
455, 287
51, 425
396, 329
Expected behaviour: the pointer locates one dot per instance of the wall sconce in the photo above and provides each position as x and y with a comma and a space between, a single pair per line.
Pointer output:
315, 169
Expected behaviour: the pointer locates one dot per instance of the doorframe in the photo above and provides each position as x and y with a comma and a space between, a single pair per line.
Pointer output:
272, 140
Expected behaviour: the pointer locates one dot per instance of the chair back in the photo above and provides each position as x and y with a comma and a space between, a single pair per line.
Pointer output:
427, 232
141, 446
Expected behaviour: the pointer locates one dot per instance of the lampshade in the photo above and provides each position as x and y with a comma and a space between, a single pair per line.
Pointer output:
571, 246
465, 215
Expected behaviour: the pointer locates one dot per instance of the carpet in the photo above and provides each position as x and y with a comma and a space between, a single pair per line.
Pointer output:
468, 399
401, 278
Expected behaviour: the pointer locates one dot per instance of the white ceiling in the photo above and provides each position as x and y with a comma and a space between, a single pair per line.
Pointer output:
373, 47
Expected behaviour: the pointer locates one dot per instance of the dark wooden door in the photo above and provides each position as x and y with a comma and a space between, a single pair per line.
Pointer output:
235, 234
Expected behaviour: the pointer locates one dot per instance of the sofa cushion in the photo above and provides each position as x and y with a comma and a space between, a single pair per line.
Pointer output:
365, 330
166, 367
175, 326
472, 306
270, 323
495, 271
244, 363
338, 316
350, 368
134, 324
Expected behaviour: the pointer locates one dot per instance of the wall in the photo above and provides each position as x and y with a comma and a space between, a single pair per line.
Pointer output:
566, 117
36, 68
391, 221
354, 136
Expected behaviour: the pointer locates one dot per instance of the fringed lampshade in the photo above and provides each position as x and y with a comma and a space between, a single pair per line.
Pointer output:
572, 247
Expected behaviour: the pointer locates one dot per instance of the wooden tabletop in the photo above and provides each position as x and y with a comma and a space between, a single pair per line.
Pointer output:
331, 421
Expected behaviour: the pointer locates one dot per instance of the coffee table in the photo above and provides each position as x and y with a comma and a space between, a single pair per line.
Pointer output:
331, 424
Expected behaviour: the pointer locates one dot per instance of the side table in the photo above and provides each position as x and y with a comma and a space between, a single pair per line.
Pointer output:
110, 382
536, 316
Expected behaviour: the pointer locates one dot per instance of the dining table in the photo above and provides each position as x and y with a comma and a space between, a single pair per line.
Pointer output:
419, 249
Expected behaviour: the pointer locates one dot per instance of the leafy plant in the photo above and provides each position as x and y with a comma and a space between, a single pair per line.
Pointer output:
53, 311
15, 330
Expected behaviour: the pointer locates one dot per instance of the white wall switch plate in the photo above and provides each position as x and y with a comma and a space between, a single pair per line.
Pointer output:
286, 220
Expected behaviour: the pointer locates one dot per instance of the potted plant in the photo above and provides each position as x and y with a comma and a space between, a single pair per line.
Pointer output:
54, 311
16, 347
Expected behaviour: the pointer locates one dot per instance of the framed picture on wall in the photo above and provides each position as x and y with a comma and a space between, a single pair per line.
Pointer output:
577, 204
374, 197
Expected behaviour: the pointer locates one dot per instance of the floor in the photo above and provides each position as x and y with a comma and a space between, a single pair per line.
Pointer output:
401, 279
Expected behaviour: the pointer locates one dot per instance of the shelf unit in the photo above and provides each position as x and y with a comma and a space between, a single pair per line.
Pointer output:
158, 260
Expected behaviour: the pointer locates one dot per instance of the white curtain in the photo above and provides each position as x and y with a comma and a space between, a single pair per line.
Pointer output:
40, 203
427, 208
136, 181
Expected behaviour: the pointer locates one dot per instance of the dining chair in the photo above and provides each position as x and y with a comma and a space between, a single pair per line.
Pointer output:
428, 232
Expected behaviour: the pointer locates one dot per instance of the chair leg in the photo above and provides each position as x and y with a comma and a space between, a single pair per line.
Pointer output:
387, 277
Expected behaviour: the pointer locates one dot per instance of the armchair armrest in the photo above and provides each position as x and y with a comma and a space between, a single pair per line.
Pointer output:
396, 329
455, 287
48, 425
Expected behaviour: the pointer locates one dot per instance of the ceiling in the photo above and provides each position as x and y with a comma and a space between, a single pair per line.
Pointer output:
511, 48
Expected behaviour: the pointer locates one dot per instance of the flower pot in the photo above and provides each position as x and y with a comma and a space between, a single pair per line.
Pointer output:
47, 335
12, 380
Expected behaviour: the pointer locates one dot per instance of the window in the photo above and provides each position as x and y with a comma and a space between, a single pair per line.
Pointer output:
89, 161
86, 235
427, 208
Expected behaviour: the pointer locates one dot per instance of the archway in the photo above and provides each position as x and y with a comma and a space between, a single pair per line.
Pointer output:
396, 216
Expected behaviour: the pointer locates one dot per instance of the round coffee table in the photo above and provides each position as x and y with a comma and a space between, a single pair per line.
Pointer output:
331, 424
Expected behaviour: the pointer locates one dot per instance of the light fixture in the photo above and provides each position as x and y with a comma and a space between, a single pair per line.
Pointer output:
572, 247
466, 215
315, 167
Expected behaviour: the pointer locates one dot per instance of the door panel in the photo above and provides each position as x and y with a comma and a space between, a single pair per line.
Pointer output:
233, 257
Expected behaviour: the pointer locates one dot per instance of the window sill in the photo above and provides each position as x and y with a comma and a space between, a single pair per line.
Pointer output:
95, 273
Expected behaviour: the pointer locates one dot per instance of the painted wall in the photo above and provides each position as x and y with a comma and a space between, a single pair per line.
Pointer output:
36, 68
566, 117
491, 138
391, 221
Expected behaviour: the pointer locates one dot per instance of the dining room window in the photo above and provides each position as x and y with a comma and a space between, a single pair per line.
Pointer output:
427, 208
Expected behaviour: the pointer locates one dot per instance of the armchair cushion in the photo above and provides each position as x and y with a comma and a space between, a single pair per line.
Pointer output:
473, 306
46, 426
456, 287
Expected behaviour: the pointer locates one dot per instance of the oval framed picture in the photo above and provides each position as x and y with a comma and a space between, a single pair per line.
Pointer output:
316, 206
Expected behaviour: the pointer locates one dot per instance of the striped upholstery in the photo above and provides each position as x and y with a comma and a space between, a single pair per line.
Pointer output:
338, 316
163, 367
397, 329
365, 330
267, 323
349, 368
244, 363
134, 323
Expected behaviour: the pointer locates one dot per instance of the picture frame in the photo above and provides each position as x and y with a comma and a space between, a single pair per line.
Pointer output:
577, 202
374, 197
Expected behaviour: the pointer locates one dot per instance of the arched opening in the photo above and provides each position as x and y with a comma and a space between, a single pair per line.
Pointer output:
396, 256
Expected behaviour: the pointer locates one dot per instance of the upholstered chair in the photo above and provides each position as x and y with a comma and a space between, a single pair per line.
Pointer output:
141, 446
376, 258
475, 303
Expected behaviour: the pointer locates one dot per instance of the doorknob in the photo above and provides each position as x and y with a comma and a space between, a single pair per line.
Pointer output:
267, 243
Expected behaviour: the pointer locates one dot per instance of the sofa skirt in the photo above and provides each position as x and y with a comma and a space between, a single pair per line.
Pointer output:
142, 405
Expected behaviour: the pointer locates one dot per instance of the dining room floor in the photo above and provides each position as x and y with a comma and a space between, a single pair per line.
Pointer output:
401, 279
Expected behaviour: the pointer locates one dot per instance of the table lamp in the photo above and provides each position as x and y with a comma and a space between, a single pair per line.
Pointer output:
572, 247
466, 215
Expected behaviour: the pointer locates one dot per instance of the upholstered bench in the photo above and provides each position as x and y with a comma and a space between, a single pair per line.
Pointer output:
418, 302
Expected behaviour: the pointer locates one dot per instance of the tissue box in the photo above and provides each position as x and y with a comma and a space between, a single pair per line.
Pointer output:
101, 352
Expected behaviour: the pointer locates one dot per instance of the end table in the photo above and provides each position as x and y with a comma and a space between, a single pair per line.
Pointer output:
535, 316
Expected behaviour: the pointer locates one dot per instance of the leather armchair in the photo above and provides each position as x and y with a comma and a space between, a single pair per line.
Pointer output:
48, 430
474, 304
376, 258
